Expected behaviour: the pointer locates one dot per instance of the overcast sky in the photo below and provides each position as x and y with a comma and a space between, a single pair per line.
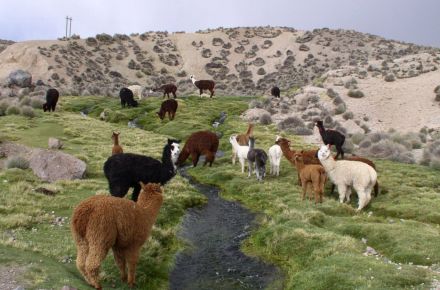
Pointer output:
416, 21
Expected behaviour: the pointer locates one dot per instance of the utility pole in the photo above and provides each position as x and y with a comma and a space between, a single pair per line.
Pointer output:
67, 21
70, 27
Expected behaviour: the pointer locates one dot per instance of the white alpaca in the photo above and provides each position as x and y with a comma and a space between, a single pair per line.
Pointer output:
344, 174
275, 154
137, 91
242, 151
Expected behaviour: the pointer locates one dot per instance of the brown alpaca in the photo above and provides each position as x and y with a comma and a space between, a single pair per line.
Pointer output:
309, 157
243, 140
168, 106
312, 174
116, 147
366, 161
102, 222
199, 143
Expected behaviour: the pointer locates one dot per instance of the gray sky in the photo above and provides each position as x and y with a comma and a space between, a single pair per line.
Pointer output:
416, 21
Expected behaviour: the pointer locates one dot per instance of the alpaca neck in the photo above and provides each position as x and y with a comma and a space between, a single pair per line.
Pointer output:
329, 163
235, 145
251, 144
168, 167
299, 164
321, 131
250, 130
116, 141
194, 80
286, 150
150, 203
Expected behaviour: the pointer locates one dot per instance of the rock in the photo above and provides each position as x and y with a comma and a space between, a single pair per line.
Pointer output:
68, 288
306, 37
253, 114
370, 251
55, 143
304, 47
352, 127
55, 165
20, 288
20, 78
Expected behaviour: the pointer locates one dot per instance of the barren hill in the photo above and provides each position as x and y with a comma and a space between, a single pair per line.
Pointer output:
243, 61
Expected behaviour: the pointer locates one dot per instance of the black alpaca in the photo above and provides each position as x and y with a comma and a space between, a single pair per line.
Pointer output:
126, 170
52, 96
332, 137
126, 96
275, 92
259, 157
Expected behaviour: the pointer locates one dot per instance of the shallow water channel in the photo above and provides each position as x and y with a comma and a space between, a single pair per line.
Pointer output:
214, 260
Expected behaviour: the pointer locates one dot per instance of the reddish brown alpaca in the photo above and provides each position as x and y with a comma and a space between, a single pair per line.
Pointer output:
199, 143
312, 174
243, 140
366, 161
116, 147
166, 89
309, 157
168, 106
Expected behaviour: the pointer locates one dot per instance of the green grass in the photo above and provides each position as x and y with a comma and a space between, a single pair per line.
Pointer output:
316, 246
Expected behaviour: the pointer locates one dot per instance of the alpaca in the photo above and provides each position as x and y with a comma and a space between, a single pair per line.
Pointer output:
332, 137
200, 143
137, 91
116, 147
168, 106
275, 154
102, 222
242, 151
366, 161
203, 85
52, 96
312, 174
344, 174
166, 89
259, 157
309, 157
126, 96
275, 92
126, 170
243, 140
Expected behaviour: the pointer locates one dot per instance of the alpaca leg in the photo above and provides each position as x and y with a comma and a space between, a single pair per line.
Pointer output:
234, 156
96, 255
209, 157
299, 180
136, 191
242, 164
212, 92
82, 251
304, 190
362, 199
249, 168
174, 95
341, 190
120, 261
348, 194
376, 189
195, 158
201, 92
132, 257
332, 189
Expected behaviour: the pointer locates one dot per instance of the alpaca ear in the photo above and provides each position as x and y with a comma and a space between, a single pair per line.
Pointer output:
142, 184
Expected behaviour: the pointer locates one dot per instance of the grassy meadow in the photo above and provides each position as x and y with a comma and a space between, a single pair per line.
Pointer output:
315, 246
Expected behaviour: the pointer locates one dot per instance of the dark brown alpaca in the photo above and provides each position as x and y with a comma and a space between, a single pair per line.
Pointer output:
366, 161
168, 106
199, 143
308, 157
204, 85
243, 140
166, 89
116, 147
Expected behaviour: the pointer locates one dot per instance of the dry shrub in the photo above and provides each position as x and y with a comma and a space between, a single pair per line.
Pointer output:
265, 119
355, 94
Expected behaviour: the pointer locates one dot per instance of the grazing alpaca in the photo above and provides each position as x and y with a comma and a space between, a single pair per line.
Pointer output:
52, 96
166, 89
126, 170
200, 143
275, 154
116, 147
312, 174
275, 92
346, 174
242, 151
126, 96
259, 157
243, 140
168, 106
309, 157
332, 137
102, 222
204, 85
366, 161
137, 91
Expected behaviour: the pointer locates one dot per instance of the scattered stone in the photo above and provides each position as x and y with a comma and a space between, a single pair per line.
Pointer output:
55, 143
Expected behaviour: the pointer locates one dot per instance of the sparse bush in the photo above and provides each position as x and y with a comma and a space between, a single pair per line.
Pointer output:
4, 105
366, 128
17, 162
265, 119
390, 78
392, 151
365, 144
302, 131
437, 90
13, 110
261, 71
255, 104
348, 146
437, 98
338, 100
351, 84
28, 111
348, 115
378, 136
358, 138
331, 93
37, 103
25, 101
291, 123
355, 94
341, 108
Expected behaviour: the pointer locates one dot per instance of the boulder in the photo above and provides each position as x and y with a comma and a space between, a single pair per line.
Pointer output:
20, 78
253, 114
55, 143
55, 165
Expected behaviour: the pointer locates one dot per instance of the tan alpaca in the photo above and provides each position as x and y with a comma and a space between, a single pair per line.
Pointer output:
116, 147
312, 174
101, 223
243, 140
309, 157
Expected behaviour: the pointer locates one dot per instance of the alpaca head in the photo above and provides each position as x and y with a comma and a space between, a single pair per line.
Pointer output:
298, 157
277, 138
282, 141
324, 152
161, 114
175, 149
152, 90
233, 139
319, 124
192, 78
45, 107
151, 187
115, 135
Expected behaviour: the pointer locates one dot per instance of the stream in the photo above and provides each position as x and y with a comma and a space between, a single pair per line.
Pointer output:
213, 260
